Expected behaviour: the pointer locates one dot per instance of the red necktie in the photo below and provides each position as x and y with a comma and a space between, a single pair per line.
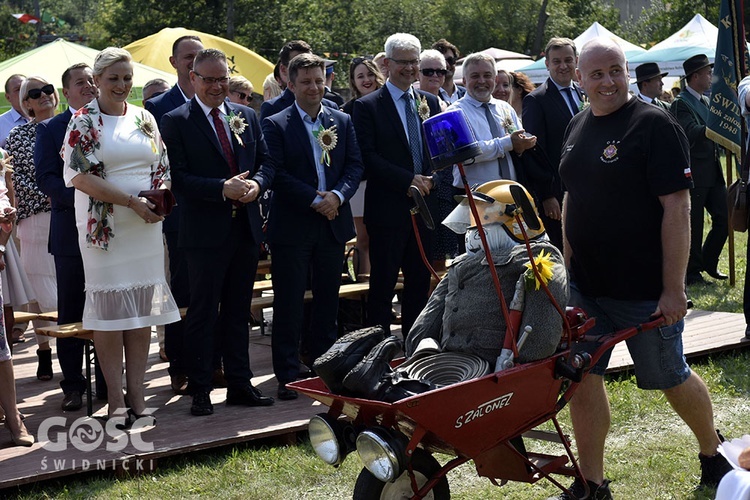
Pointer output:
224, 141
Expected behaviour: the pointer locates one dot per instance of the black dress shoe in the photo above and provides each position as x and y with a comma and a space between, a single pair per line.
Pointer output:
285, 394
248, 396
72, 401
344, 355
695, 279
365, 379
717, 275
201, 404
179, 384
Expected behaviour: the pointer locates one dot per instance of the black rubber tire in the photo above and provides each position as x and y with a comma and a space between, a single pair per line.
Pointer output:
368, 487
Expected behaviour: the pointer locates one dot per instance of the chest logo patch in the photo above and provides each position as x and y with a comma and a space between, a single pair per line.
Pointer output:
609, 155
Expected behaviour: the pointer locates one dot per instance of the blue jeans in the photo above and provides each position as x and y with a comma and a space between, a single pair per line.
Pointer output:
657, 354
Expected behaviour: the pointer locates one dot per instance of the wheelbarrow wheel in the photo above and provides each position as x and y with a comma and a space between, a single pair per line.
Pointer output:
368, 487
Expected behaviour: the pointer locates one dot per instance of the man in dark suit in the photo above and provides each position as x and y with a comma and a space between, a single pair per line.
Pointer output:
184, 50
288, 52
79, 90
546, 113
648, 78
310, 219
329, 93
709, 188
449, 92
395, 155
219, 164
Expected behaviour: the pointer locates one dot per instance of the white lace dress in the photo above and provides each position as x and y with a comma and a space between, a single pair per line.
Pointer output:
125, 285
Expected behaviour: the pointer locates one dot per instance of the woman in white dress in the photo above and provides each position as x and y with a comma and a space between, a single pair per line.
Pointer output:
39, 101
112, 151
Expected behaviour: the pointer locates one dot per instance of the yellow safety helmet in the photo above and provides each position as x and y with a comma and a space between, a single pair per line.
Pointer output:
493, 200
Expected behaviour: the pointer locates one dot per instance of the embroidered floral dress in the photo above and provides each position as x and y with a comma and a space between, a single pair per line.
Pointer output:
123, 257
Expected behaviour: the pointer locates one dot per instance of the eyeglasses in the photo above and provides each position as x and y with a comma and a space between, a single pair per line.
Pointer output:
450, 61
210, 80
433, 71
244, 96
48, 89
406, 62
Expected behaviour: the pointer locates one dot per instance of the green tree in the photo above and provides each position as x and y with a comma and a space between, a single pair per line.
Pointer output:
665, 17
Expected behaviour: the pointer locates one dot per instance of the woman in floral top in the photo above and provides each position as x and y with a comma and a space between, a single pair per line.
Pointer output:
112, 152
39, 101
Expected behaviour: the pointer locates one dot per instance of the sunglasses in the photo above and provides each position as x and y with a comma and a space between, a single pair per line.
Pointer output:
48, 89
450, 61
432, 72
244, 96
359, 60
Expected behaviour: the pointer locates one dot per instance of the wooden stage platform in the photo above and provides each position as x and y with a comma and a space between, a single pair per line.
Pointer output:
178, 432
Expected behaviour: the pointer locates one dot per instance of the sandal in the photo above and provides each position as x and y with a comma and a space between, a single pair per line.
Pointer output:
18, 337
44, 368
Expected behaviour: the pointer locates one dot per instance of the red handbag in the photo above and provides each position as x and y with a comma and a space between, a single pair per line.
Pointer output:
162, 198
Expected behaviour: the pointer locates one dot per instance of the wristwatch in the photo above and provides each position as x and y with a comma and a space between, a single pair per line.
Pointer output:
2, 249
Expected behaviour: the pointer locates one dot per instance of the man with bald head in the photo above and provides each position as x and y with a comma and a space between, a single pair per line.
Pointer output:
626, 166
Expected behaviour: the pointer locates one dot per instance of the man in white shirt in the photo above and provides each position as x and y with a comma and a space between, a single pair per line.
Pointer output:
15, 116
495, 125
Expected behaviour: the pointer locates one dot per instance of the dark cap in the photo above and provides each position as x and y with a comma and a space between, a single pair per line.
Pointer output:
695, 63
647, 71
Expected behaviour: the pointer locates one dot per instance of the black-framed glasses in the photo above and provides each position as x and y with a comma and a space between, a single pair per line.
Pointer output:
406, 62
48, 89
210, 80
433, 72
450, 61
243, 96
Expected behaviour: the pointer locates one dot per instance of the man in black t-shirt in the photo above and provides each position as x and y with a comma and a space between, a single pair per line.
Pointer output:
625, 164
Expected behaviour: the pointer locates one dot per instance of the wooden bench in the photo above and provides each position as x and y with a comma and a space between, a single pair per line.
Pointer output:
24, 317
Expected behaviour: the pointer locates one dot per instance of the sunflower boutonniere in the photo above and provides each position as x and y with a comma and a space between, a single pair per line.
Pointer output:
423, 109
147, 128
544, 265
327, 139
237, 125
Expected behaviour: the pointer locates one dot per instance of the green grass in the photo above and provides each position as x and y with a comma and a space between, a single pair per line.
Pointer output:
650, 454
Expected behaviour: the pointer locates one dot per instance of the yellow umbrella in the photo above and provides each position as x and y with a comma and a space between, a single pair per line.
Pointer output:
155, 50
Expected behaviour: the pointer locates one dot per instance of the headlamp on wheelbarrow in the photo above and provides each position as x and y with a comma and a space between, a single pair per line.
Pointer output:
331, 438
383, 452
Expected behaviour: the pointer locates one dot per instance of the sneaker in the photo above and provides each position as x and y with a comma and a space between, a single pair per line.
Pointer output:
713, 469
596, 491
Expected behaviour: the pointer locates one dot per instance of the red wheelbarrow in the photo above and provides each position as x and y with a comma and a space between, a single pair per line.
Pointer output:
485, 420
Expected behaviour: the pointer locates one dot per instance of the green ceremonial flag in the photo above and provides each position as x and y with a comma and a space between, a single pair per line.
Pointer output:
47, 17
724, 124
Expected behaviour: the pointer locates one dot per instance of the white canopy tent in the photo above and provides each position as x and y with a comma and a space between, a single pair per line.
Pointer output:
537, 72
696, 37
504, 59
50, 60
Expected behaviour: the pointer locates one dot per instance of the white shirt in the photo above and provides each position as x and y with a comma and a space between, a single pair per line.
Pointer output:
572, 92
8, 121
485, 167
320, 168
401, 104
222, 114
742, 91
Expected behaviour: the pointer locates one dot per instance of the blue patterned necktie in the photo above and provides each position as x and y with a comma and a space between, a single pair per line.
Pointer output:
569, 94
412, 127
